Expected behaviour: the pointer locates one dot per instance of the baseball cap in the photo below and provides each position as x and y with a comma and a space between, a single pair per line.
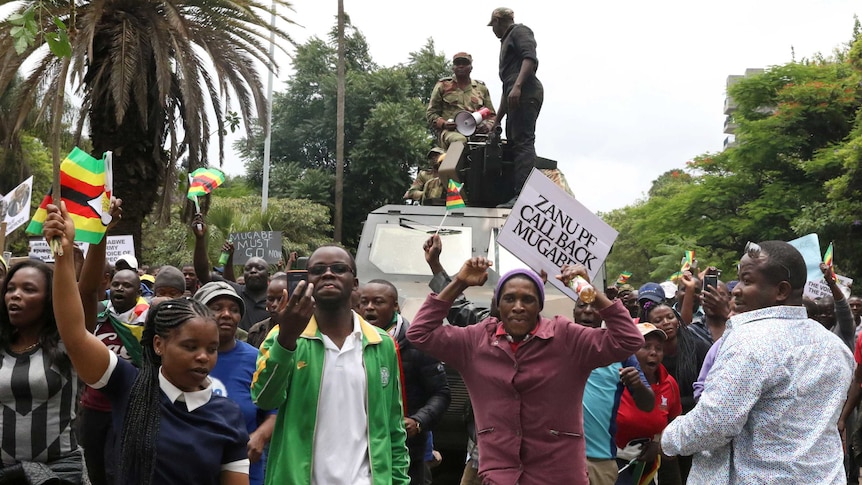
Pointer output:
648, 328
127, 261
652, 292
669, 287
501, 13
169, 277
215, 289
462, 55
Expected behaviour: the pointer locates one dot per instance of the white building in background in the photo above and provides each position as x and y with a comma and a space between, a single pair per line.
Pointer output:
730, 105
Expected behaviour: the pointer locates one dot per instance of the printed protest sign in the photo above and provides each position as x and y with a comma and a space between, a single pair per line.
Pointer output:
256, 244
15, 206
819, 288
115, 246
548, 228
809, 247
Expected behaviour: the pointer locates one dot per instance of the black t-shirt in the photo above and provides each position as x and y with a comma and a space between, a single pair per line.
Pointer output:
255, 309
686, 380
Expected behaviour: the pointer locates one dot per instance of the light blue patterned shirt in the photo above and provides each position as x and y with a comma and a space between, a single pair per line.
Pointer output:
770, 407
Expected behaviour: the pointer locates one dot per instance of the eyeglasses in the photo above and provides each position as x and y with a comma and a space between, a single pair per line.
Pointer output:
753, 250
336, 268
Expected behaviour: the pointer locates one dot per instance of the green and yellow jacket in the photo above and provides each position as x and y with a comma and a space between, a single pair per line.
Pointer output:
290, 381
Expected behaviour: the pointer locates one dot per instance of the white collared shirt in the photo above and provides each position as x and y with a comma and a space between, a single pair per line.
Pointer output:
193, 399
341, 435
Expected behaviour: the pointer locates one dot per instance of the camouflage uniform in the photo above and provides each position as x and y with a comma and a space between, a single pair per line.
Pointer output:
416, 190
447, 99
433, 193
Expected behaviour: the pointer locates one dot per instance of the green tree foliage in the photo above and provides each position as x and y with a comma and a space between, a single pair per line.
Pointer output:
797, 169
385, 131
304, 226
151, 76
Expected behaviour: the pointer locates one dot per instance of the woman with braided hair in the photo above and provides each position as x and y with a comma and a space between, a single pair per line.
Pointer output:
174, 430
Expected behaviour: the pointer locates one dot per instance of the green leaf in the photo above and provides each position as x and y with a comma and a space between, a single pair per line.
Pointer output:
16, 19
59, 44
21, 45
59, 23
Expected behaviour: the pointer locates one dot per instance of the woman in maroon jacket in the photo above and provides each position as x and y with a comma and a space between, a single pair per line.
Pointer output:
525, 373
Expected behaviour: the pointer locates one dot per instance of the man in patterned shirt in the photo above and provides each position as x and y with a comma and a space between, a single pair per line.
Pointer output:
770, 407
454, 94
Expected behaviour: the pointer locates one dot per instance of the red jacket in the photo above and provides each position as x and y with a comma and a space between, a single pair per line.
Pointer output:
527, 404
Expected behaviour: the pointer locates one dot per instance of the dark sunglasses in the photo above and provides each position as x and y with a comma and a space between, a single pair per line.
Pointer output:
753, 250
336, 268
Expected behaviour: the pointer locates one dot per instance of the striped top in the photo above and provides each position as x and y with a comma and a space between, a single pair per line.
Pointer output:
37, 408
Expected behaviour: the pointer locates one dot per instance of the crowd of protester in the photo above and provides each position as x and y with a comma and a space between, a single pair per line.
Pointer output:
120, 374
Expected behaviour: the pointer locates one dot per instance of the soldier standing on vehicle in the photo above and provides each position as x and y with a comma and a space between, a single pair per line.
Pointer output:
454, 94
523, 93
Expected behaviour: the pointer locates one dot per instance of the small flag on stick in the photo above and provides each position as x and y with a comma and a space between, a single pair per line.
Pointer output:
827, 258
453, 196
83, 188
687, 261
624, 277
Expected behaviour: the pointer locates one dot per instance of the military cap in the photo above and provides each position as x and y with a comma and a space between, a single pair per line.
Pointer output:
437, 151
501, 13
462, 55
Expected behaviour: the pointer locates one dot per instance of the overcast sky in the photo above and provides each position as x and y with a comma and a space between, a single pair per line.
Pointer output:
632, 89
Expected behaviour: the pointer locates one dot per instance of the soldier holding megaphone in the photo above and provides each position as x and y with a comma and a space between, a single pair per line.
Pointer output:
452, 95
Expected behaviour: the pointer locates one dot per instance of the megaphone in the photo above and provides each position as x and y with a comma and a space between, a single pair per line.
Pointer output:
466, 122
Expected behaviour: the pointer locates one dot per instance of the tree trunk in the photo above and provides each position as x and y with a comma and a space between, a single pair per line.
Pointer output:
139, 157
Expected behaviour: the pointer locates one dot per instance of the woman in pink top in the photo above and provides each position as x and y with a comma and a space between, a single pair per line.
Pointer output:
525, 373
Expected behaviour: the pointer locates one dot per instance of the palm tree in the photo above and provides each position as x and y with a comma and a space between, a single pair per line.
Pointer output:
153, 76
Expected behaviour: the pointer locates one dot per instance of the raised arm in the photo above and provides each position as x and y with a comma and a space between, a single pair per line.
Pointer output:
427, 332
94, 270
463, 312
88, 354
687, 304
843, 314
200, 257
599, 347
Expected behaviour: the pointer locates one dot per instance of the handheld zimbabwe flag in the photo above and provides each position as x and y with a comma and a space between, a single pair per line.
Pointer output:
83, 188
624, 277
453, 196
674, 277
203, 180
827, 258
687, 261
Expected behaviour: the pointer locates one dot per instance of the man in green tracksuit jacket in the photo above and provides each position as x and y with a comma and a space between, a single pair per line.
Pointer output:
335, 380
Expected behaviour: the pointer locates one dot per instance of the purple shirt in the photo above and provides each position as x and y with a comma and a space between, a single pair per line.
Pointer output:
527, 403
704, 369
